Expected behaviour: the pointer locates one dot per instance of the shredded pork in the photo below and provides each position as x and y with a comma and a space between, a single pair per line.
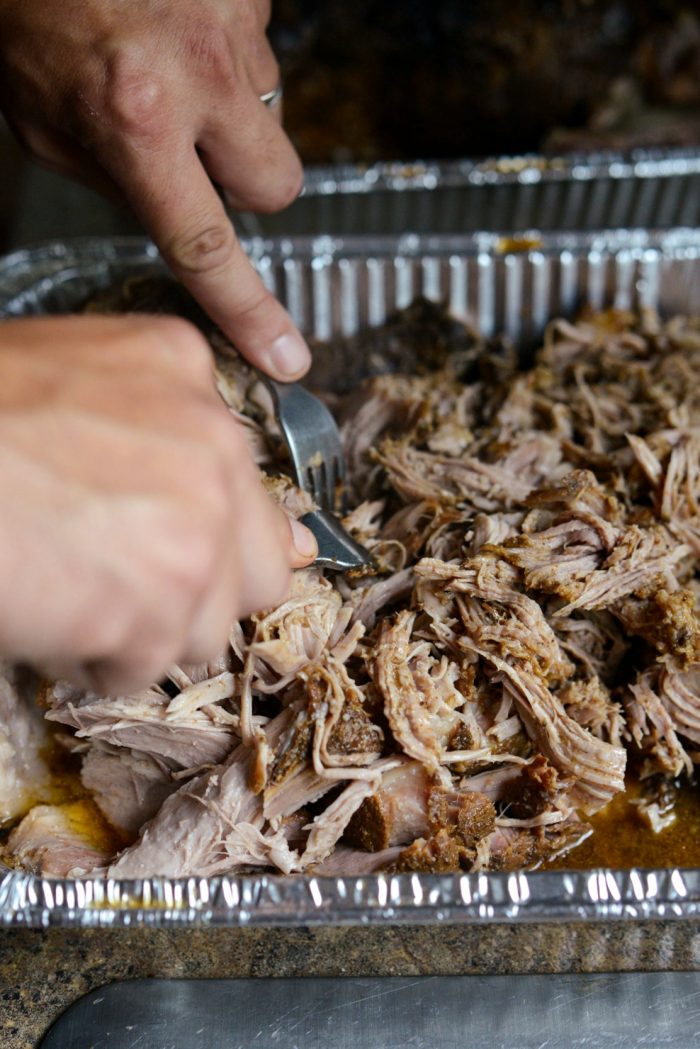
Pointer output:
528, 629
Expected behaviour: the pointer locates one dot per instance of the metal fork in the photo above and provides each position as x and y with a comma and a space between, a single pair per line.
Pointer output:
312, 437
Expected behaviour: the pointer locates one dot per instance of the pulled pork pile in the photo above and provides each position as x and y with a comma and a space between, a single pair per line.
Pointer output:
529, 623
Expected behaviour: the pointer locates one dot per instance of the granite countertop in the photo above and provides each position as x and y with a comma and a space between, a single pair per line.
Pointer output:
43, 971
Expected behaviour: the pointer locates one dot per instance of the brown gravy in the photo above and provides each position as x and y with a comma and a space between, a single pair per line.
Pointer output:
622, 839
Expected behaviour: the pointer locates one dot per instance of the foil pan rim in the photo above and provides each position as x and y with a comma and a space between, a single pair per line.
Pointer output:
47, 257
525, 169
493, 898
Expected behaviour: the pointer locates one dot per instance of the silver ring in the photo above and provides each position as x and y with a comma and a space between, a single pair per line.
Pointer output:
271, 98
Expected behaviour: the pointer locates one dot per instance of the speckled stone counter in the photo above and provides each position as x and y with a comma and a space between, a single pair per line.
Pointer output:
41, 973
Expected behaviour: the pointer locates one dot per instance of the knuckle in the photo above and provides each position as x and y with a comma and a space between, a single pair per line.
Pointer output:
214, 491
189, 564
205, 43
255, 303
185, 344
172, 342
104, 635
135, 98
222, 434
205, 252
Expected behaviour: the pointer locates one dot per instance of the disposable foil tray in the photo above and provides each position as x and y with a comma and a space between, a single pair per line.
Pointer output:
338, 286
656, 189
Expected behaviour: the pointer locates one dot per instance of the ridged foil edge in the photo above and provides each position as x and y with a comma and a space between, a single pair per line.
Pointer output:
526, 169
546, 896
338, 285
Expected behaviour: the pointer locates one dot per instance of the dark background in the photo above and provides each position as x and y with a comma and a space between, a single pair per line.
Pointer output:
400, 79
405, 79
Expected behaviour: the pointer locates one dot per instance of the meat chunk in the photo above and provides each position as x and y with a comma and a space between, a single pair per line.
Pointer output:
211, 825
652, 729
420, 694
188, 737
410, 805
127, 785
589, 703
58, 841
24, 775
510, 849
439, 854
596, 768
397, 813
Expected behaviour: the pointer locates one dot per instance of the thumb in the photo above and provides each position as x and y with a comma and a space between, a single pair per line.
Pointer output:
305, 547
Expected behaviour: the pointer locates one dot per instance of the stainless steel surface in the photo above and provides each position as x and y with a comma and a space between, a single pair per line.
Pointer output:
336, 287
588, 191
601, 1011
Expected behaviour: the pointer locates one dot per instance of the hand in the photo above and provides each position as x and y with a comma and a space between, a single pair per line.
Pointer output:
153, 99
134, 527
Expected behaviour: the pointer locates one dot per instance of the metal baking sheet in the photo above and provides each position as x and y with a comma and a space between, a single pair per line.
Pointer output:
625, 1011
577, 192
337, 286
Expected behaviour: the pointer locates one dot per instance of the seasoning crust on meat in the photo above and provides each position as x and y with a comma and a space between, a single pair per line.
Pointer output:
530, 627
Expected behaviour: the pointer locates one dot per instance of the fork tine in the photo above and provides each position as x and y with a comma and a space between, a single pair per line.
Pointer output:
336, 549
322, 482
317, 475
340, 499
329, 478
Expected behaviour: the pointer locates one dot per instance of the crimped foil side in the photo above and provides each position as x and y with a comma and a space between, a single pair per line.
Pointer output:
337, 286
550, 896
525, 169
579, 191
333, 287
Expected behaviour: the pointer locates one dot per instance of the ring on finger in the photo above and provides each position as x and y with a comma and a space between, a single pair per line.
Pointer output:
272, 98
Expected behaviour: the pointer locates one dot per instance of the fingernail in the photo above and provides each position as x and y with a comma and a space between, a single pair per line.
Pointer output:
289, 355
304, 541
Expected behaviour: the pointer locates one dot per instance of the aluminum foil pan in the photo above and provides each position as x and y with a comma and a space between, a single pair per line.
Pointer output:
578, 192
337, 286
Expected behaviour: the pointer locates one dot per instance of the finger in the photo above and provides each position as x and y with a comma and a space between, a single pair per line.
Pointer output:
152, 347
239, 591
264, 9
304, 545
265, 570
263, 70
248, 154
65, 670
121, 676
106, 677
175, 199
